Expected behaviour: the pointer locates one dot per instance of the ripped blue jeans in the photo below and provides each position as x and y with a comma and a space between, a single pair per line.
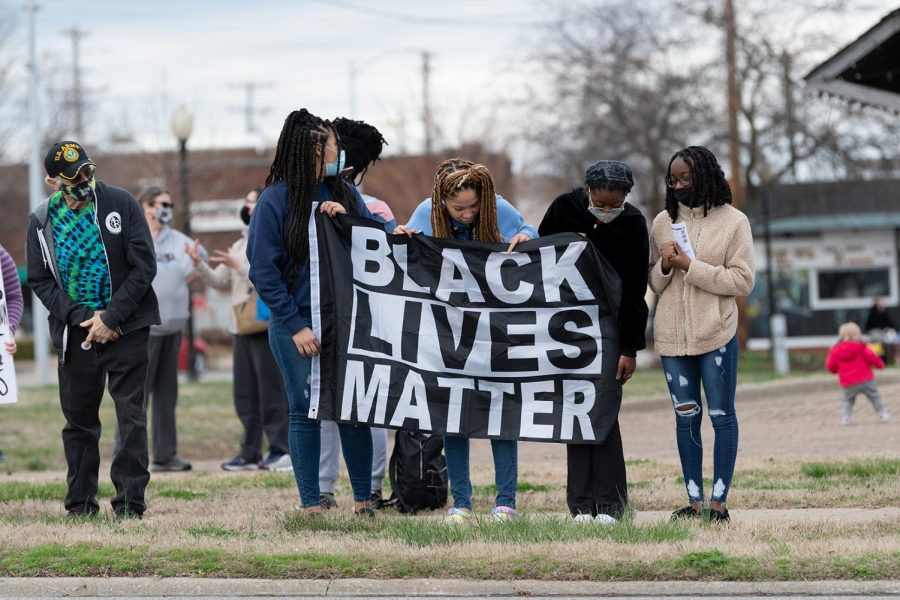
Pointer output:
718, 372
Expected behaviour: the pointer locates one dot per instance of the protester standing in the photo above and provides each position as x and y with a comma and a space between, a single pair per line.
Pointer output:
597, 488
91, 262
259, 398
174, 271
695, 326
464, 206
306, 170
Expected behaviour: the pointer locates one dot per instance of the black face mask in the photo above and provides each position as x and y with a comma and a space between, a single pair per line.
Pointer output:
688, 197
245, 214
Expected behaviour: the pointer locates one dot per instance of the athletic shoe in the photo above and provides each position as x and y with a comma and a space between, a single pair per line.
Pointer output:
884, 416
583, 518
365, 512
174, 464
688, 512
717, 516
277, 463
327, 501
376, 500
239, 463
504, 513
846, 421
458, 516
605, 519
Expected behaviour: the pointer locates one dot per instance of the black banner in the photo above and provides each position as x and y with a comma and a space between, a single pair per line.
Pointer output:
463, 338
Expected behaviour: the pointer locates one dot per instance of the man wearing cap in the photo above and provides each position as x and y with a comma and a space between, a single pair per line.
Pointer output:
91, 263
597, 490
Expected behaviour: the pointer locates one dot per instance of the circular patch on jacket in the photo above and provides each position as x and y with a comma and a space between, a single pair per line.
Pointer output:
114, 222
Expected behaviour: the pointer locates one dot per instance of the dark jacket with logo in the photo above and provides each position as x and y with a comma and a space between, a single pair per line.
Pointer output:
130, 258
624, 243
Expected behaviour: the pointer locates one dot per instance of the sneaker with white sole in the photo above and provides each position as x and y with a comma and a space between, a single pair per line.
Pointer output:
604, 519
458, 516
884, 416
583, 518
846, 421
278, 464
504, 513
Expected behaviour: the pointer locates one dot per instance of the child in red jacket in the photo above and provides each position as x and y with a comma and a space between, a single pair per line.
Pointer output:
852, 360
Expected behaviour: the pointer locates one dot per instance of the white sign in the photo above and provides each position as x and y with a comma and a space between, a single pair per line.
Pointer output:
9, 390
680, 235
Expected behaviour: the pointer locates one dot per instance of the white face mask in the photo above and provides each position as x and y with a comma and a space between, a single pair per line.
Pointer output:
605, 216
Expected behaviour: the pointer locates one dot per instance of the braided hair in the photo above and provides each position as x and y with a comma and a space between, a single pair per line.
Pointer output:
457, 174
295, 165
362, 142
708, 180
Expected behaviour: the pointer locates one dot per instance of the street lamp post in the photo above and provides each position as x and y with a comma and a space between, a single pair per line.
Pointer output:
182, 126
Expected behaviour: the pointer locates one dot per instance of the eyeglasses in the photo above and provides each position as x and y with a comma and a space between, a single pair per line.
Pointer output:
84, 174
684, 180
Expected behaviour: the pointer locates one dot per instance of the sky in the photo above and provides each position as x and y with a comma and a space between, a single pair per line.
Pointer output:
141, 60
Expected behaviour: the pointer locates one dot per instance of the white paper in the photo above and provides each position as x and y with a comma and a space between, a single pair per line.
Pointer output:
9, 390
680, 235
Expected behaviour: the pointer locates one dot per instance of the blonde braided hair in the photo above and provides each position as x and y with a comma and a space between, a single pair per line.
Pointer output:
454, 175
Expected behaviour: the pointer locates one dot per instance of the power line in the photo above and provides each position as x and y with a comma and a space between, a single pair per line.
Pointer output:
250, 109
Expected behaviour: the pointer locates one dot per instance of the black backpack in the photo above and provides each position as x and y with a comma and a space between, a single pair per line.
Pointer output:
418, 472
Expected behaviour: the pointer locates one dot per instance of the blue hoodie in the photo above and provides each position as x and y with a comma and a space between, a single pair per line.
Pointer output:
509, 221
269, 262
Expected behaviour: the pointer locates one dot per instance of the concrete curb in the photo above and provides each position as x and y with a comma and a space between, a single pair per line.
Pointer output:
189, 587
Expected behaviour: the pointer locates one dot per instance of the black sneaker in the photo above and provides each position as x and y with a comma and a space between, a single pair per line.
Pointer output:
365, 513
376, 500
688, 512
174, 464
327, 501
239, 463
716, 516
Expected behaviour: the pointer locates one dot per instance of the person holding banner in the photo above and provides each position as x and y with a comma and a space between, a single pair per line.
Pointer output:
597, 488
697, 280
259, 398
305, 171
91, 263
12, 297
464, 206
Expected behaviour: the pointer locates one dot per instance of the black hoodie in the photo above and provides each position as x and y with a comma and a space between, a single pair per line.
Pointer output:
129, 255
624, 243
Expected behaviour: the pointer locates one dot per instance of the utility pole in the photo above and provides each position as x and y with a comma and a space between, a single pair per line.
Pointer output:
426, 103
250, 109
76, 101
789, 111
35, 197
734, 103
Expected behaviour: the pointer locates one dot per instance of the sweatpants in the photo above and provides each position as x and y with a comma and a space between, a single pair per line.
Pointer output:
162, 394
596, 481
259, 398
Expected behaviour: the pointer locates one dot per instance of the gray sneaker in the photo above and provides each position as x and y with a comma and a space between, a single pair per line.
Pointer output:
174, 464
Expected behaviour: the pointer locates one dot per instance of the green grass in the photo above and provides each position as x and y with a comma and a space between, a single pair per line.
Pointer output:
17, 490
874, 468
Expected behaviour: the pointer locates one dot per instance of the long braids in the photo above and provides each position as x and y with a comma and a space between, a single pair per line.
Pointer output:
454, 175
295, 164
707, 178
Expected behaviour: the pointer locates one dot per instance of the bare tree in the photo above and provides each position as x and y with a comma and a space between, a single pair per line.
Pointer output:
11, 100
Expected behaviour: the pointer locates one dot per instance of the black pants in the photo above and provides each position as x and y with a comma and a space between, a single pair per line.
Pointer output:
82, 378
259, 398
161, 390
596, 476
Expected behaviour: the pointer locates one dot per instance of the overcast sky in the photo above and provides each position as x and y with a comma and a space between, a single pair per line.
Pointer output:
139, 60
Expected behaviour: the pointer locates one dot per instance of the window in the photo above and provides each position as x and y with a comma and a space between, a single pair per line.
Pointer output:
852, 288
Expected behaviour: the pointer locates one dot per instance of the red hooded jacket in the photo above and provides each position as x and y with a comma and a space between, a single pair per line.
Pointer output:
853, 362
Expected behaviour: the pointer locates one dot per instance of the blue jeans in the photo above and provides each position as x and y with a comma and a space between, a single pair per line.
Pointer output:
456, 450
303, 432
718, 372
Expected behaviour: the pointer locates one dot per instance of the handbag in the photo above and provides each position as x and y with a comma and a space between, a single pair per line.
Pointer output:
245, 319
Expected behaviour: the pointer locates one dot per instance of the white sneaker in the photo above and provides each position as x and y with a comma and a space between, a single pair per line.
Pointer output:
884, 416
604, 519
582, 518
282, 464
846, 421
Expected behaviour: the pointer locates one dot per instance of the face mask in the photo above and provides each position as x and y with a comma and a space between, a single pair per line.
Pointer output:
82, 192
245, 214
605, 216
164, 214
332, 169
688, 197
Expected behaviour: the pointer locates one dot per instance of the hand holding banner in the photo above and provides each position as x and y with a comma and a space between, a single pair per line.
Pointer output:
9, 391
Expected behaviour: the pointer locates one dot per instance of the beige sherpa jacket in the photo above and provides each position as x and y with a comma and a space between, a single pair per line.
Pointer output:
225, 278
696, 312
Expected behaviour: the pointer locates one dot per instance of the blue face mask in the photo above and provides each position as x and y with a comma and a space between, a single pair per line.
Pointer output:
333, 169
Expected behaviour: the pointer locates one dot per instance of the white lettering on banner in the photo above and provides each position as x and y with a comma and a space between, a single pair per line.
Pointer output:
555, 272
470, 334
532, 407
577, 410
415, 404
492, 272
408, 284
456, 386
413, 389
449, 283
363, 256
